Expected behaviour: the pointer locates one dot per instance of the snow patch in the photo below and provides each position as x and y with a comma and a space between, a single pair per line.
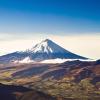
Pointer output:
42, 48
47, 46
25, 60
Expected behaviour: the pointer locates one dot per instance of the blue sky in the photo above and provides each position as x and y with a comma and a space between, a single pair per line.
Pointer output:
26, 22
50, 16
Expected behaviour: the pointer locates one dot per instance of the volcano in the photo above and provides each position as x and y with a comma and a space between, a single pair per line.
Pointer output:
44, 50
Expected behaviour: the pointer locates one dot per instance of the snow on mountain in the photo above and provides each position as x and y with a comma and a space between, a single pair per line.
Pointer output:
25, 60
42, 47
47, 46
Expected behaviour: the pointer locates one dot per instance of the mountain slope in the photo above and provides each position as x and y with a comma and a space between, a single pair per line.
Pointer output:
11, 92
45, 50
79, 80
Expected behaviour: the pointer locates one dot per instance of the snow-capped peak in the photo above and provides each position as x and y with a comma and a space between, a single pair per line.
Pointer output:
45, 50
42, 47
47, 46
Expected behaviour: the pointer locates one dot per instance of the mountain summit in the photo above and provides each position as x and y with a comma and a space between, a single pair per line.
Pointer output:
48, 46
44, 50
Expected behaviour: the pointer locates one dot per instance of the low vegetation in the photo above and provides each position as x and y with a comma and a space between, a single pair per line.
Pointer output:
84, 90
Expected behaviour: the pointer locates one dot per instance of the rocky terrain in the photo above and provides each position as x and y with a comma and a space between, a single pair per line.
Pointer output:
76, 80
